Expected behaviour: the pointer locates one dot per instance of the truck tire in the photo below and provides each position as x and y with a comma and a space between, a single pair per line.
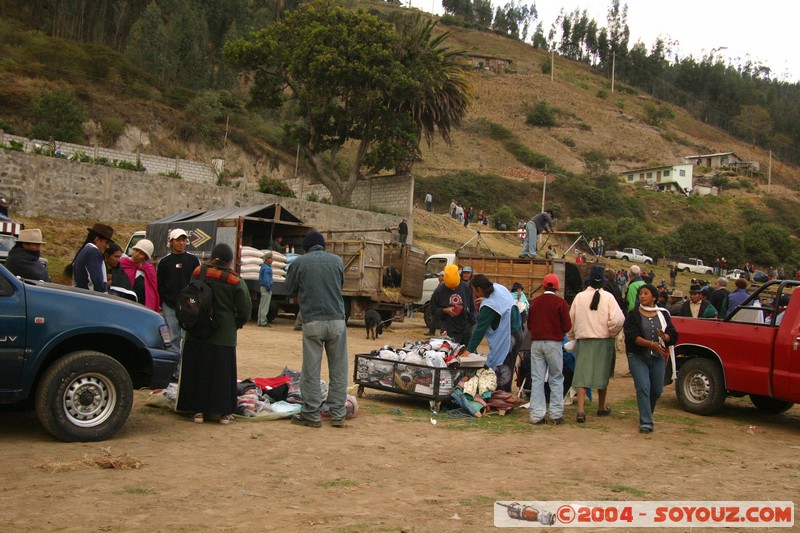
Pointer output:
386, 318
625, 258
428, 316
770, 405
700, 388
648, 262
686, 269
84, 396
709, 272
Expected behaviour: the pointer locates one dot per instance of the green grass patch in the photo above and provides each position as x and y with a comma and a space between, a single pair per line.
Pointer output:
339, 482
630, 490
140, 490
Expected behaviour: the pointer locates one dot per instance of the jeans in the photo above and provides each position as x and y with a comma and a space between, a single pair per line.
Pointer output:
263, 306
648, 378
529, 245
429, 206
175, 331
547, 356
332, 334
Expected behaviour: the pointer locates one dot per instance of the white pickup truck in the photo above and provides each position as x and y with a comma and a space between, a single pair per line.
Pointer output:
630, 254
694, 265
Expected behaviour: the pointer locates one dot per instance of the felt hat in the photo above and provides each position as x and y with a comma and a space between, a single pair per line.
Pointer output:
676, 294
268, 255
694, 289
107, 232
30, 236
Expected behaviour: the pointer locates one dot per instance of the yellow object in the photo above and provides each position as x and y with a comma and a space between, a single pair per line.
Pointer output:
451, 277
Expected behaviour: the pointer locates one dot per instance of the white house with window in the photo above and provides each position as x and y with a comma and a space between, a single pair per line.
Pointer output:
676, 178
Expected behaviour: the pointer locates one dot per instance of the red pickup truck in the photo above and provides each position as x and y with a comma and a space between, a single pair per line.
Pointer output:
754, 352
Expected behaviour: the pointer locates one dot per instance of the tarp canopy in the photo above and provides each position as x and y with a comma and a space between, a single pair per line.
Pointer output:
264, 211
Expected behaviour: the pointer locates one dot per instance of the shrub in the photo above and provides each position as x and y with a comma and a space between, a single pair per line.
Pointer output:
541, 115
277, 187
546, 66
584, 127
16, 146
127, 165
620, 103
602, 93
314, 197
569, 141
57, 115
174, 174
113, 127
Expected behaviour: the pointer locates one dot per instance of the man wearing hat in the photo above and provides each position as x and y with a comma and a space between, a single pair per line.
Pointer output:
265, 284
452, 306
23, 259
697, 306
675, 303
88, 269
548, 322
317, 277
174, 272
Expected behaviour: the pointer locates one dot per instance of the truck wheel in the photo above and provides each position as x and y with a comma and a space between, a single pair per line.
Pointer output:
386, 318
700, 387
428, 315
648, 262
84, 396
770, 405
709, 272
625, 258
686, 269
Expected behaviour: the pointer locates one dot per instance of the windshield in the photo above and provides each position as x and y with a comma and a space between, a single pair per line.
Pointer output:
7, 242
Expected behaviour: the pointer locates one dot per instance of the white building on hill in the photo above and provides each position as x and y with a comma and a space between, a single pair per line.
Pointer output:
677, 178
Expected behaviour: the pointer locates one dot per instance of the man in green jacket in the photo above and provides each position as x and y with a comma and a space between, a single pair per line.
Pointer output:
635, 281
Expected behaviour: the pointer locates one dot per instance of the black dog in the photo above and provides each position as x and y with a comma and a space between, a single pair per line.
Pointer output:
372, 320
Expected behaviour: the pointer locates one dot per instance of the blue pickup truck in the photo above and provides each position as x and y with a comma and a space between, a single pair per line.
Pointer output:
78, 355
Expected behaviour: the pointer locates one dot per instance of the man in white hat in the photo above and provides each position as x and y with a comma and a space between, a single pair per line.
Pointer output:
23, 259
174, 273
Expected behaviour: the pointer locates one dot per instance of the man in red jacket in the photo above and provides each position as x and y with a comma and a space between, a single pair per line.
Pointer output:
548, 322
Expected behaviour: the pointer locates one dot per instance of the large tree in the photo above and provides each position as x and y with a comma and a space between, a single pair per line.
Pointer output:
350, 78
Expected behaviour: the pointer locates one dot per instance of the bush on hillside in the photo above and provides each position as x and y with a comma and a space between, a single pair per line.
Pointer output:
277, 187
57, 115
489, 192
542, 115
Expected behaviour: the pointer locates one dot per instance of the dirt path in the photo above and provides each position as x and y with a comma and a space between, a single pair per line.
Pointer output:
391, 469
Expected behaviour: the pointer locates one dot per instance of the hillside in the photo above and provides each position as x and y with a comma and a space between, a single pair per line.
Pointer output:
589, 117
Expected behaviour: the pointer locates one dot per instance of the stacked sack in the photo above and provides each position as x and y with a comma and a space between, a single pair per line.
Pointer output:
279, 264
252, 259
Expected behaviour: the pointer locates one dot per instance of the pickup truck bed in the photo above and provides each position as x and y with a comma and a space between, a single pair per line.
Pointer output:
754, 352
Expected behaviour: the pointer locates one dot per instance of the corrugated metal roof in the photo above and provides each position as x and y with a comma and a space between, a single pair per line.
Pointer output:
265, 211
709, 155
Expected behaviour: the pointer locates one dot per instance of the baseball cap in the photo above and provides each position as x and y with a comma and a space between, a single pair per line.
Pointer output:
177, 233
467, 269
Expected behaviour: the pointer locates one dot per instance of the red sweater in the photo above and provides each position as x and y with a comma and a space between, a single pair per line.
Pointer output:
548, 318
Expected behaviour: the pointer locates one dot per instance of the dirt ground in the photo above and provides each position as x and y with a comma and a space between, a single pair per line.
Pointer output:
391, 469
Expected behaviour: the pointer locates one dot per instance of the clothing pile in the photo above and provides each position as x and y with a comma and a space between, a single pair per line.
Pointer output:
262, 398
477, 395
417, 367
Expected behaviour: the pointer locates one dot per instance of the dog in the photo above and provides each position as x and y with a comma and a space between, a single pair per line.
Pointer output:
374, 324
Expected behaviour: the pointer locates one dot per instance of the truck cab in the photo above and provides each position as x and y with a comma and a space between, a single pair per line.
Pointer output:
78, 354
754, 351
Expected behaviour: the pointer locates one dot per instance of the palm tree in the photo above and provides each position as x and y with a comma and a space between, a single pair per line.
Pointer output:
440, 102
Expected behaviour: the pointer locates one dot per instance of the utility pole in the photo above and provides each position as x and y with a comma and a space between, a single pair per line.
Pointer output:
544, 188
769, 173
